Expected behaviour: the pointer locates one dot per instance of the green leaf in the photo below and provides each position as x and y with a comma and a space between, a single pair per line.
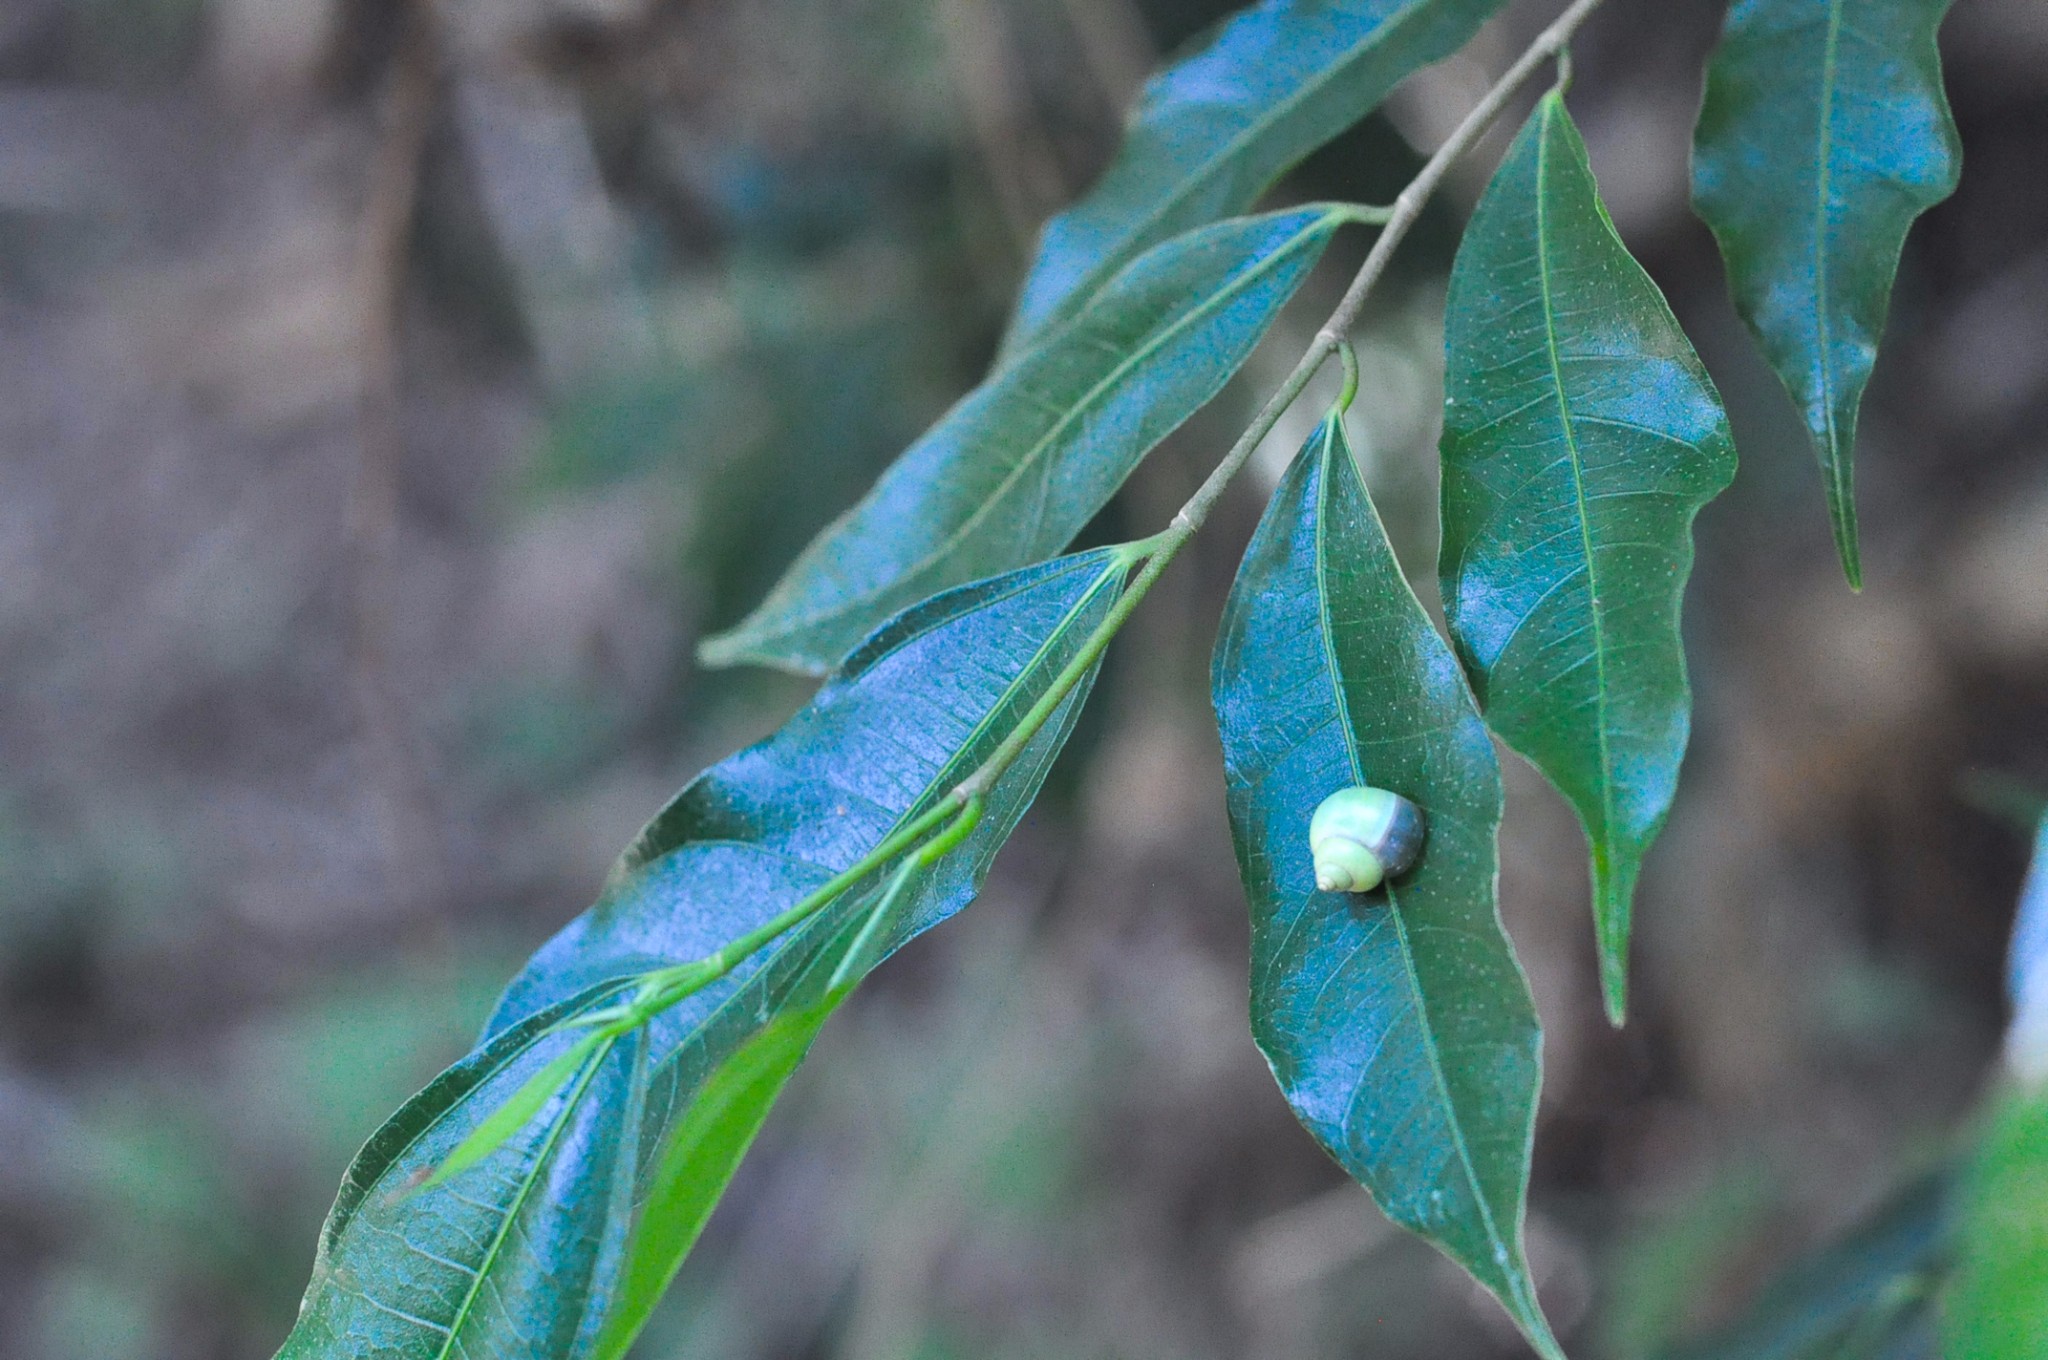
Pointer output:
1013, 472
697, 1159
505, 1258
529, 1251
1581, 436
1212, 133
516, 1113
1823, 134
1398, 1022
1867, 1295
1998, 1304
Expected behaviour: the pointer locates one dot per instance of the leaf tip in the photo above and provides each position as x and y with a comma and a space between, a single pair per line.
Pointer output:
422, 1178
1522, 1306
1852, 561
1842, 519
1545, 1344
1614, 882
427, 1178
1614, 990
723, 650
741, 646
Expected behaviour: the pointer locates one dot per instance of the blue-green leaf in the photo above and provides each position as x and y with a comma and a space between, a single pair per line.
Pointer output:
1824, 133
531, 1252
1397, 1022
1213, 132
509, 1257
1581, 437
1022, 463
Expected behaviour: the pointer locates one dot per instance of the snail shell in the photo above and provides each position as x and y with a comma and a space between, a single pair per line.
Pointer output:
1361, 836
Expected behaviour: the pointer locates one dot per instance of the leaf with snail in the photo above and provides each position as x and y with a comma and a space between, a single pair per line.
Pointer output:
1397, 1022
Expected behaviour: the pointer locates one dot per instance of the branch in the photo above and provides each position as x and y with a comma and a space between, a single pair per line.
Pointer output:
1157, 552
1407, 208
947, 822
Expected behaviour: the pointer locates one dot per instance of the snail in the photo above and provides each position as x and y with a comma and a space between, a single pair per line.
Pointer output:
1360, 836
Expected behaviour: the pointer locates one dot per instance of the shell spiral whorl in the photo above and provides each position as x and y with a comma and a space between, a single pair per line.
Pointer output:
1361, 836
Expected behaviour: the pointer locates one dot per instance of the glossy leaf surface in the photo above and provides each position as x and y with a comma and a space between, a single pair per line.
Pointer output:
1823, 134
1397, 1022
506, 1258
1014, 471
532, 1251
1213, 132
1581, 437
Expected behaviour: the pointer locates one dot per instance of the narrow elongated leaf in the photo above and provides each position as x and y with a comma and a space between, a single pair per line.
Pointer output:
1397, 1022
1581, 437
1212, 133
518, 1112
1013, 472
697, 1158
529, 1252
1824, 133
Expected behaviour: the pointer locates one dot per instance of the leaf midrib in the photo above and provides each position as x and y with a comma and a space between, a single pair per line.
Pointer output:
1571, 444
466, 1309
1436, 1064
1823, 178
590, 997
1032, 456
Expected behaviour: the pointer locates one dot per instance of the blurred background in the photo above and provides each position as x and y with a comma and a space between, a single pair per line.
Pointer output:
390, 397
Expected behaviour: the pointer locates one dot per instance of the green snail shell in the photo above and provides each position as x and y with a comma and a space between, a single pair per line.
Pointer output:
1360, 836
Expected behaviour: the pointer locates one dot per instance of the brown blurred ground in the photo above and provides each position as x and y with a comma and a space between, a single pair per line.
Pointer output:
385, 408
